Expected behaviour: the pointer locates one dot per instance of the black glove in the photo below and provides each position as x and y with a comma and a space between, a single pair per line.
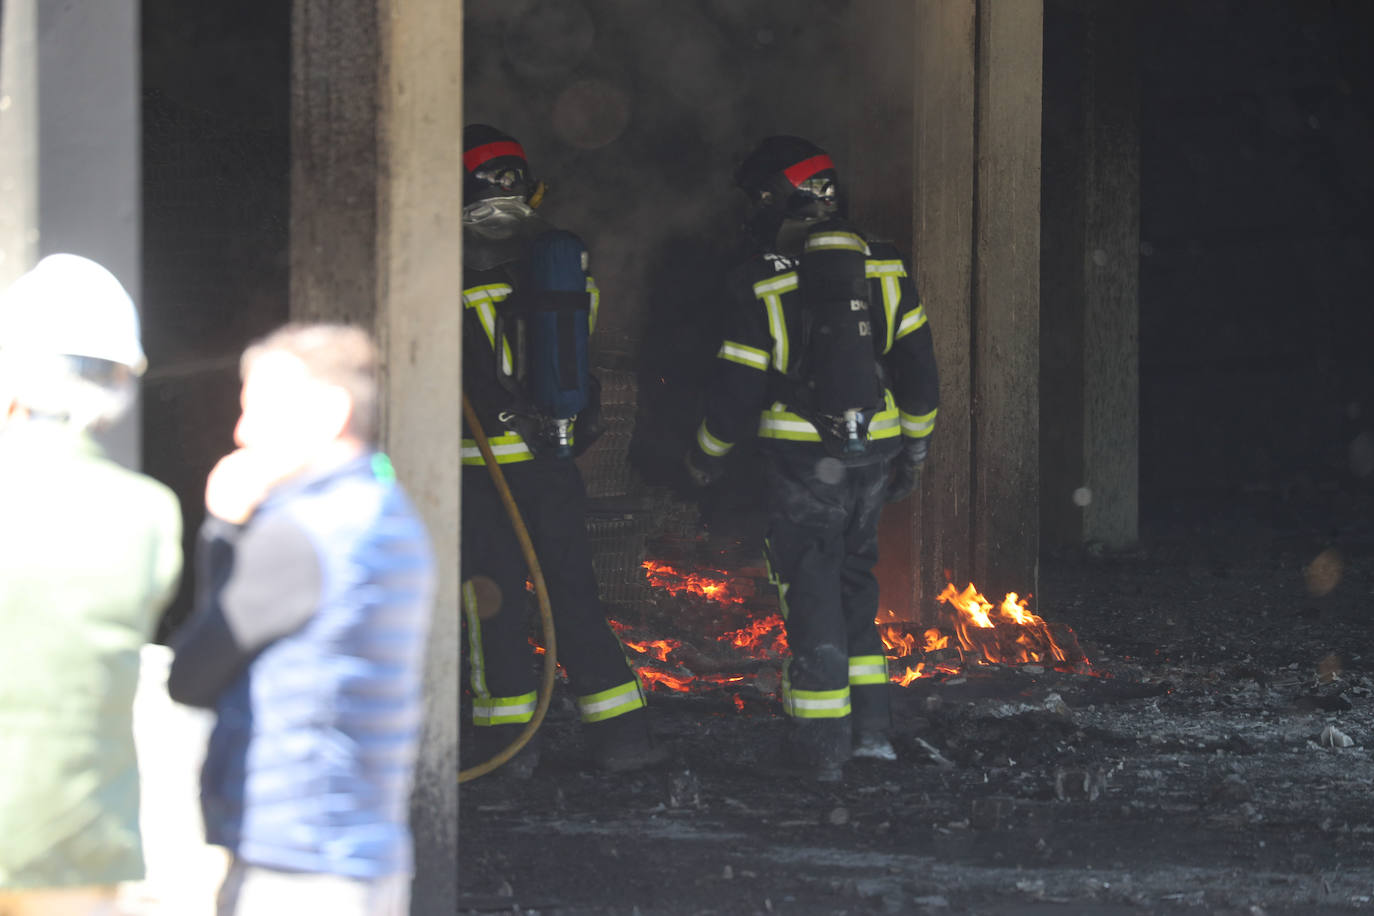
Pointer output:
702, 469
908, 471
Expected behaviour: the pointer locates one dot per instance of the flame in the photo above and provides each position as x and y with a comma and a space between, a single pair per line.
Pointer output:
910, 674
1026, 638
976, 632
712, 584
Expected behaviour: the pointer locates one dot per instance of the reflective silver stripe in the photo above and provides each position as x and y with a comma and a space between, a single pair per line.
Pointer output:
710, 444
513, 448
892, 299
868, 669
608, 704
483, 299
884, 269
845, 241
777, 327
745, 356
501, 710
506, 448
911, 321
780, 424
918, 426
816, 704
770, 291
881, 422
782, 283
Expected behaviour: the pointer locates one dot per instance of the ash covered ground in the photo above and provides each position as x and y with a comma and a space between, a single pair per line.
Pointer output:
1222, 766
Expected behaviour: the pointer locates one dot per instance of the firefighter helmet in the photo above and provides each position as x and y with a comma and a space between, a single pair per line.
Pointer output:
494, 165
790, 178
68, 305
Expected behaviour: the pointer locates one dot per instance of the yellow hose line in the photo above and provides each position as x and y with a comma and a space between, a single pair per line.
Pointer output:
541, 593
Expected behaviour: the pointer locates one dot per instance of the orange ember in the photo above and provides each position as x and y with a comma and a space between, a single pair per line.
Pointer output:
658, 648
711, 584
653, 677
975, 632
763, 638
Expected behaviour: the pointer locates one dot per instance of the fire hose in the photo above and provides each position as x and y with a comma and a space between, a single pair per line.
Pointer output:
541, 594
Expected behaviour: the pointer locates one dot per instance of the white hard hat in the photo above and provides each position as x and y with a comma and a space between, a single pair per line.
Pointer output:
71, 306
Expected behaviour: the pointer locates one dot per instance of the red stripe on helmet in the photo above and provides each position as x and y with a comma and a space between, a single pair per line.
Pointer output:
806, 168
480, 154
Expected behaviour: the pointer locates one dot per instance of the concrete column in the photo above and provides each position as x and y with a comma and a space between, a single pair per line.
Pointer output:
942, 161
1006, 298
376, 238
69, 146
977, 229
1090, 264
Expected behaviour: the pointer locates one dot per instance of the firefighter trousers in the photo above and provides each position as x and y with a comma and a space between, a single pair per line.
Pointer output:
552, 501
821, 548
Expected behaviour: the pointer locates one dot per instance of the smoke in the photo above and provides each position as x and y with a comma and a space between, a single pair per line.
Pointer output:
637, 113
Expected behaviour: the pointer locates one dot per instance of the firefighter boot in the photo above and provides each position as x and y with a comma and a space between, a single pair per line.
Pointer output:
873, 745
490, 740
623, 744
816, 749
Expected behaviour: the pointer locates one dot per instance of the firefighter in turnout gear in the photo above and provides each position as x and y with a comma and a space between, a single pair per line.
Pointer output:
529, 304
827, 358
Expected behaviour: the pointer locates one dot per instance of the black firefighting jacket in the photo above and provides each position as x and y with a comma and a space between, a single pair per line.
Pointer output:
762, 342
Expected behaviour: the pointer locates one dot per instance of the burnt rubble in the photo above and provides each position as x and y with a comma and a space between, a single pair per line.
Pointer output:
1221, 764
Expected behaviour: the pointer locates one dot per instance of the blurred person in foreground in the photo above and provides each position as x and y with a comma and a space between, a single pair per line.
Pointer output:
90, 554
315, 584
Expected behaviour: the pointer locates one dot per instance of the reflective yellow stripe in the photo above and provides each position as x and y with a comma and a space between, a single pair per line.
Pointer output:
775, 579
836, 241
710, 444
777, 327
911, 321
779, 423
596, 302
867, 669
782, 283
477, 667
916, 426
507, 449
884, 426
608, 704
752, 357
874, 268
484, 300
770, 291
503, 710
816, 704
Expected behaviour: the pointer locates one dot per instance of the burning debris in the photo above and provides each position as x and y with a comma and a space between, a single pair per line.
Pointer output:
731, 633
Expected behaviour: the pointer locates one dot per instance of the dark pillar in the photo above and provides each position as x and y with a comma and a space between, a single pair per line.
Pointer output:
376, 239
1090, 265
943, 160
977, 231
1006, 299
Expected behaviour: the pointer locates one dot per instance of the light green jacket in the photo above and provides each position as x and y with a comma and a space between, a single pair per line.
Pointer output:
89, 555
